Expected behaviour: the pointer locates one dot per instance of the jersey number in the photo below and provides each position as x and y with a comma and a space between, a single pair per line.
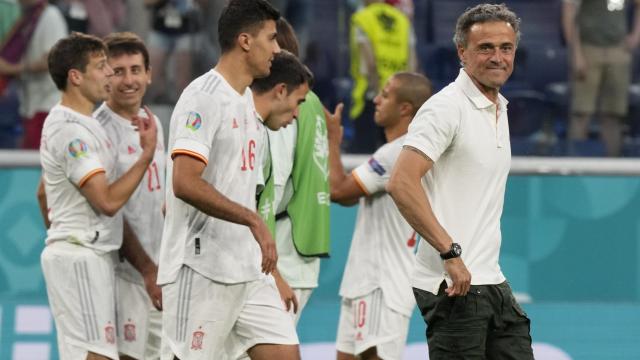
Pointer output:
361, 313
153, 178
249, 156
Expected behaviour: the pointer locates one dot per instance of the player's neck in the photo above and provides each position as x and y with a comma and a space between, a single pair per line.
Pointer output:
395, 131
76, 102
262, 103
125, 111
235, 72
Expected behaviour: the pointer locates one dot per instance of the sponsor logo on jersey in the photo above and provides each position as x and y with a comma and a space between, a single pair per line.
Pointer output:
194, 121
196, 342
131, 149
110, 333
321, 147
376, 167
78, 148
235, 123
412, 240
130, 331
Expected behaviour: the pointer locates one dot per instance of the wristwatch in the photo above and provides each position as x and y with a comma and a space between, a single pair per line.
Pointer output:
454, 252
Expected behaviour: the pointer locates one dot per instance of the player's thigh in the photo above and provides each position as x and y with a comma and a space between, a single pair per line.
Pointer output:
456, 326
263, 320
198, 315
133, 317
80, 287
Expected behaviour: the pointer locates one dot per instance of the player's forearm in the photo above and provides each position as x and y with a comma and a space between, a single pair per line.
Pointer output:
42, 203
121, 190
337, 175
133, 251
569, 26
412, 201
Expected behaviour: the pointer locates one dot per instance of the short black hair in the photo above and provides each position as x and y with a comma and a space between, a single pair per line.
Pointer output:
243, 16
287, 69
128, 43
72, 52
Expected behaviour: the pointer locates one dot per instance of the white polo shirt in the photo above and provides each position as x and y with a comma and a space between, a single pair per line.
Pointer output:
74, 147
143, 210
212, 122
467, 137
383, 244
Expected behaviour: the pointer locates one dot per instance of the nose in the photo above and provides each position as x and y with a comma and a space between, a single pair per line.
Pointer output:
276, 48
376, 100
108, 70
127, 78
496, 56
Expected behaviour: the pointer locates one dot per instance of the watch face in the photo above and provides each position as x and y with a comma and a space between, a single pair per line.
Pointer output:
456, 249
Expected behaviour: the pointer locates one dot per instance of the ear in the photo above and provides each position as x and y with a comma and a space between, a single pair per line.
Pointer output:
281, 90
406, 108
461, 54
244, 41
74, 77
149, 75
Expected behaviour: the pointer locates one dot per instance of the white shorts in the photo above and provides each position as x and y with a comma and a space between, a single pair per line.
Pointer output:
139, 322
204, 319
303, 296
80, 287
367, 322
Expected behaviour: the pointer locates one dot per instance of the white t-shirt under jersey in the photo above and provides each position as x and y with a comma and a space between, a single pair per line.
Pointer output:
382, 249
75, 147
143, 210
217, 125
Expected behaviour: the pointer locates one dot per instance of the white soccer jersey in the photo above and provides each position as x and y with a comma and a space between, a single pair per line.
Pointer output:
143, 210
217, 125
75, 147
383, 244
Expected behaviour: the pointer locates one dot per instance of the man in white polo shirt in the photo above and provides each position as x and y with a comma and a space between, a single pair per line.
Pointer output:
376, 296
458, 147
217, 253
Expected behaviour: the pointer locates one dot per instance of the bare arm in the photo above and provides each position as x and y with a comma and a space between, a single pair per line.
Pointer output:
189, 186
42, 203
133, 251
572, 37
633, 38
405, 187
344, 189
286, 293
109, 198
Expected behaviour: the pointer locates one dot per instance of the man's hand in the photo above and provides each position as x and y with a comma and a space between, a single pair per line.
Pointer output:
334, 124
148, 131
460, 277
579, 65
286, 293
154, 291
267, 245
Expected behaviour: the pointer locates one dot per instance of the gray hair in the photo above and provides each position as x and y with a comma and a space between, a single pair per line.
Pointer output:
483, 13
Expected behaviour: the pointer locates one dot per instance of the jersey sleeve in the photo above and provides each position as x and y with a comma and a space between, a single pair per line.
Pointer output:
434, 127
196, 122
80, 151
373, 175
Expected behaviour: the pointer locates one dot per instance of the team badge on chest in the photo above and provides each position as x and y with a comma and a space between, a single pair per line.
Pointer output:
110, 333
130, 331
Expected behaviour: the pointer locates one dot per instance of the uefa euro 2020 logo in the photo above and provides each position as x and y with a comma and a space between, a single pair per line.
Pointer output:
194, 121
78, 148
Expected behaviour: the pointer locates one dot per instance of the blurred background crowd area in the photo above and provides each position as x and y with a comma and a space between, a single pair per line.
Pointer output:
182, 39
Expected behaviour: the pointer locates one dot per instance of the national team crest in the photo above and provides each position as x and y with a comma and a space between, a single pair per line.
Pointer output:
321, 147
78, 148
130, 331
194, 121
196, 342
110, 333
